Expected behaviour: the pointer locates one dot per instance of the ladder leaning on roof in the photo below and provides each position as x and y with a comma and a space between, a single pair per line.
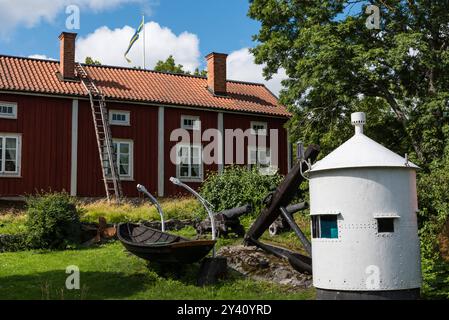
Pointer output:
108, 157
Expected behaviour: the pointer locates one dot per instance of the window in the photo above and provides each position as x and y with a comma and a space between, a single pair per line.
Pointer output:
8, 110
261, 158
189, 162
119, 118
9, 155
325, 226
190, 123
259, 128
123, 149
385, 225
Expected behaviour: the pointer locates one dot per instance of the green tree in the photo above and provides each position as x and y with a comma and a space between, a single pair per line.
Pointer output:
399, 74
169, 65
91, 61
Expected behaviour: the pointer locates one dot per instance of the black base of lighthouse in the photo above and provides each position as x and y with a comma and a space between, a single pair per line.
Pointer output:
411, 294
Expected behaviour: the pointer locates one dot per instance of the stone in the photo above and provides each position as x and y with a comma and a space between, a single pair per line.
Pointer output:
260, 265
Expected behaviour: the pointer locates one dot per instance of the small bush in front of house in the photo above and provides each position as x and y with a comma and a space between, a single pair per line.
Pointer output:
52, 221
237, 186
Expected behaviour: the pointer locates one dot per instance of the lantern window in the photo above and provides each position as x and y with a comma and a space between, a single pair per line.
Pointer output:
325, 226
385, 225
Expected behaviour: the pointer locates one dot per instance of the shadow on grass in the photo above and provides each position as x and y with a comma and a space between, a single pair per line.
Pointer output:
51, 285
188, 274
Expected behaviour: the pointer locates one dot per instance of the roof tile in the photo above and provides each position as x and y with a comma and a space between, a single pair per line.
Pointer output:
40, 76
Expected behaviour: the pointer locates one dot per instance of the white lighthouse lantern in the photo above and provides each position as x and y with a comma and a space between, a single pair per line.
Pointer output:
363, 205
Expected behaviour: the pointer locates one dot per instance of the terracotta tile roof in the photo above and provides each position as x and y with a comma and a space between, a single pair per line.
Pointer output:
39, 76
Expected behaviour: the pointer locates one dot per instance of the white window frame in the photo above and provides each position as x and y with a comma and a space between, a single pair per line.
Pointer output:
262, 132
130, 176
13, 115
196, 119
178, 163
266, 169
18, 138
113, 122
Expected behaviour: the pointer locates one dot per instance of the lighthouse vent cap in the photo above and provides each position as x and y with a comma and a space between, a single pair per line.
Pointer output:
358, 119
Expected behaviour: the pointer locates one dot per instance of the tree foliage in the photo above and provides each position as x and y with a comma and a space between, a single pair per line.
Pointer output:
92, 62
398, 75
336, 65
170, 66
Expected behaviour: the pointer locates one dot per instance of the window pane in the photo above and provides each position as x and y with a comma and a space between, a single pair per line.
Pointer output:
124, 159
315, 227
124, 170
329, 227
184, 171
184, 155
10, 155
385, 225
196, 156
124, 148
10, 166
252, 157
1, 150
195, 171
11, 143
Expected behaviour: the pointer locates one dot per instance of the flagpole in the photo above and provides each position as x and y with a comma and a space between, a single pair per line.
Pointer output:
144, 58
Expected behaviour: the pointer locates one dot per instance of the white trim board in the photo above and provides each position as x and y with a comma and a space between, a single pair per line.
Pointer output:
74, 153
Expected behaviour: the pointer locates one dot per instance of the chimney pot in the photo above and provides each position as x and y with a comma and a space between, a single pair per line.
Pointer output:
67, 55
216, 72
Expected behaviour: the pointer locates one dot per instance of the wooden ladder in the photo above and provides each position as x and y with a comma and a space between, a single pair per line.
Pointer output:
108, 157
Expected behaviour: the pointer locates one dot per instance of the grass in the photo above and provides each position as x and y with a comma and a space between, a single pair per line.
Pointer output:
182, 208
108, 272
12, 224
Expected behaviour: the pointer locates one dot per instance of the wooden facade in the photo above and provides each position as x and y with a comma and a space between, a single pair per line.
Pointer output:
49, 160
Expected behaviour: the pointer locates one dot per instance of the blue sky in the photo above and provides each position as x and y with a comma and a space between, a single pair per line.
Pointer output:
188, 30
220, 25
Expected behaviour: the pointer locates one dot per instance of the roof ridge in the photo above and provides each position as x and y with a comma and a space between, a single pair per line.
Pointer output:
133, 69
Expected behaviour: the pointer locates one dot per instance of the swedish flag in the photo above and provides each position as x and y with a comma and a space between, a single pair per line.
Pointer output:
135, 38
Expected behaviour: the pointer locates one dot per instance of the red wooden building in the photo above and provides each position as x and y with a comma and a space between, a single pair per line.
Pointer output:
48, 141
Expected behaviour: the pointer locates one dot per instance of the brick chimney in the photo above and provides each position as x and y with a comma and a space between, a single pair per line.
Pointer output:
216, 73
67, 55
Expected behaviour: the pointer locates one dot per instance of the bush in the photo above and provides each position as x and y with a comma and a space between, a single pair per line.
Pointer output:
433, 191
12, 242
237, 186
53, 221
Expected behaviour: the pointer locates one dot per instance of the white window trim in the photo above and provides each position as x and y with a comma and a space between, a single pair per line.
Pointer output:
14, 110
17, 173
264, 132
129, 177
268, 170
178, 164
196, 119
127, 123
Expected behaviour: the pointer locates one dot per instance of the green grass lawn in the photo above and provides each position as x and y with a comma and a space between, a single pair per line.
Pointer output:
109, 272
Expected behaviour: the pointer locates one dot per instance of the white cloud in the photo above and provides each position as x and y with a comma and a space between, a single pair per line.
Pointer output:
31, 12
40, 56
108, 46
241, 66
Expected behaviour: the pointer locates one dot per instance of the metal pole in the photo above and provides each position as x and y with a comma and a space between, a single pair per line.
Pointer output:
305, 242
144, 43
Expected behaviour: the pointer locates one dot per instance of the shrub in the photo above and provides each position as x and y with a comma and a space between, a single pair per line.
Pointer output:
237, 186
433, 190
53, 221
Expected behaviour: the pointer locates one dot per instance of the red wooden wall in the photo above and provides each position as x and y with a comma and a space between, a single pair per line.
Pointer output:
236, 121
45, 125
209, 120
143, 132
